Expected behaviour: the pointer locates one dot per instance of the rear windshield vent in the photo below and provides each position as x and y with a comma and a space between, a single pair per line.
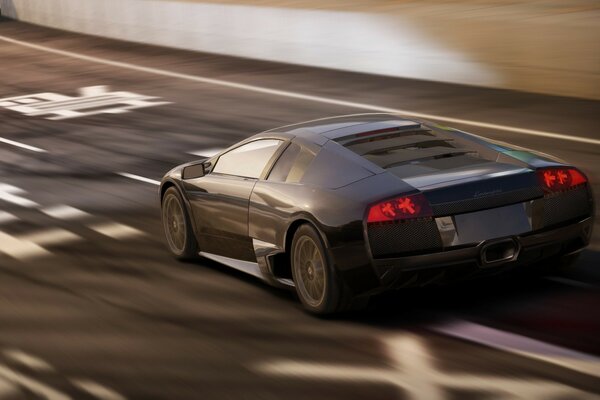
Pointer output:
409, 156
381, 134
397, 146
413, 142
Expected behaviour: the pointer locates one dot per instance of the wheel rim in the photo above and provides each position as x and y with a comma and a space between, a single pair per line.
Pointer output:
310, 268
174, 222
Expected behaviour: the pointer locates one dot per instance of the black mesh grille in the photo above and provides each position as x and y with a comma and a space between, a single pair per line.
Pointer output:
481, 203
403, 237
566, 206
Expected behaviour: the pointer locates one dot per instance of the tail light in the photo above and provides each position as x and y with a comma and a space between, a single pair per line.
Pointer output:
554, 180
400, 208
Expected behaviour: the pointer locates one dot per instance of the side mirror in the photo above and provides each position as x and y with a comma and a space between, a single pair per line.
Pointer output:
195, 170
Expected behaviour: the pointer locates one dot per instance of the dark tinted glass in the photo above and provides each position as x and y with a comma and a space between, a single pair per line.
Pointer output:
292, 164
282, 167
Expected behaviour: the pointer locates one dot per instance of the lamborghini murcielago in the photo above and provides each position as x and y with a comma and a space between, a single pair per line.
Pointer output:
346, 207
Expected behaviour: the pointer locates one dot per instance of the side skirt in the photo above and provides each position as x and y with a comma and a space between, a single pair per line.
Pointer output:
248, 267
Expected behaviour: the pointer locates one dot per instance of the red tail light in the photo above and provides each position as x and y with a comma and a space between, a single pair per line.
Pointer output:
555, 179
400, 208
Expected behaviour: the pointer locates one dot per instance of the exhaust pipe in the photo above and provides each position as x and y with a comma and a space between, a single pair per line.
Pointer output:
499, 252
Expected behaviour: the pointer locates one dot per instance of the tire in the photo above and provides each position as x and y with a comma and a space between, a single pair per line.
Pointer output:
317, 284
177, 226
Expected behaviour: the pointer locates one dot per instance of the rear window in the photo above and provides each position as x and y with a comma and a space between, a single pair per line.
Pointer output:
409, 148
292, 164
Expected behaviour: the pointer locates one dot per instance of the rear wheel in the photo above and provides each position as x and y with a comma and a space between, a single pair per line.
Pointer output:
317, 284
178, 231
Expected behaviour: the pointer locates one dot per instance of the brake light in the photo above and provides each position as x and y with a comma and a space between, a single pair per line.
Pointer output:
400, 208
555, 180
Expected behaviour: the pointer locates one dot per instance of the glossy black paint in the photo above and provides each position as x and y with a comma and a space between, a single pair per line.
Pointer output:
219, 206
254, 219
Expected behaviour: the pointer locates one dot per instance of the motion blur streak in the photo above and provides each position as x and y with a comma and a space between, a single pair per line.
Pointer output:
584, 363
139, 178
22, 145
302, 96
88, 288
413, 372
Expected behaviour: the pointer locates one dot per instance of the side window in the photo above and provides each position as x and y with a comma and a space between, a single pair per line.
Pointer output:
248, 160
292, 164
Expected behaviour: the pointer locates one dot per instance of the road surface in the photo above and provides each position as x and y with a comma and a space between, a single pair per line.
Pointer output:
93, 307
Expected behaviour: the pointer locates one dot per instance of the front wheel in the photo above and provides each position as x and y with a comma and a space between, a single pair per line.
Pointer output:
317, 284
178, 230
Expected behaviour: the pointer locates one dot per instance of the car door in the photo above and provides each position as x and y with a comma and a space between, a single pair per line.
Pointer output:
220, 199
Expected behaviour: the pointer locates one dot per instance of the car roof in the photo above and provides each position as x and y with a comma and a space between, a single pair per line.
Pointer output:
340, 126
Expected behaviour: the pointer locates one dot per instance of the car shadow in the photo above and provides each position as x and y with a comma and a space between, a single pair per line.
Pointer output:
411, 308
479, 297
204, 263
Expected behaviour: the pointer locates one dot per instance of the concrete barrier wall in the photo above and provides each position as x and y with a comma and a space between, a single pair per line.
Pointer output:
550, 54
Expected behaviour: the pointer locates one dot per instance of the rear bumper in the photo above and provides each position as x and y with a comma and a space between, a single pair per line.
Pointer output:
376, 275
468, 261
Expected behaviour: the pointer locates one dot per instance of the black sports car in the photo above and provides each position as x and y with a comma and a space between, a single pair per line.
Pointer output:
343, 208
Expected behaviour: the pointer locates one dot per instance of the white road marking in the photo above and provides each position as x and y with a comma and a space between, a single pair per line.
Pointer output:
22, 145
97, 390
63, 211
28, 360
523, 346
116, 230
30, 246
139, 178
413, 371
10, 193
8, 390
6, 217
207, 152
92, 100
51, 236
30, 384
300, 96
20, 249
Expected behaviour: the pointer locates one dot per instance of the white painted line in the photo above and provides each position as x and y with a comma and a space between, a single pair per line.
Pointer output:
10, 193
20, 249
572, 282
51, 237
63, 211
28, 360
116, 230
26, 101
22, 145
6, 217
523, 346
32, 385
207, 152
92, 100
301, 96
8, 390
412, 368
97, 390
139, 178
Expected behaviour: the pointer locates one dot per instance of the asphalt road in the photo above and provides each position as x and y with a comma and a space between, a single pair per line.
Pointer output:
93, 307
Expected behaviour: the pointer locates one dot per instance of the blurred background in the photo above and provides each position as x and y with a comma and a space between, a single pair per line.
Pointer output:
98, 99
